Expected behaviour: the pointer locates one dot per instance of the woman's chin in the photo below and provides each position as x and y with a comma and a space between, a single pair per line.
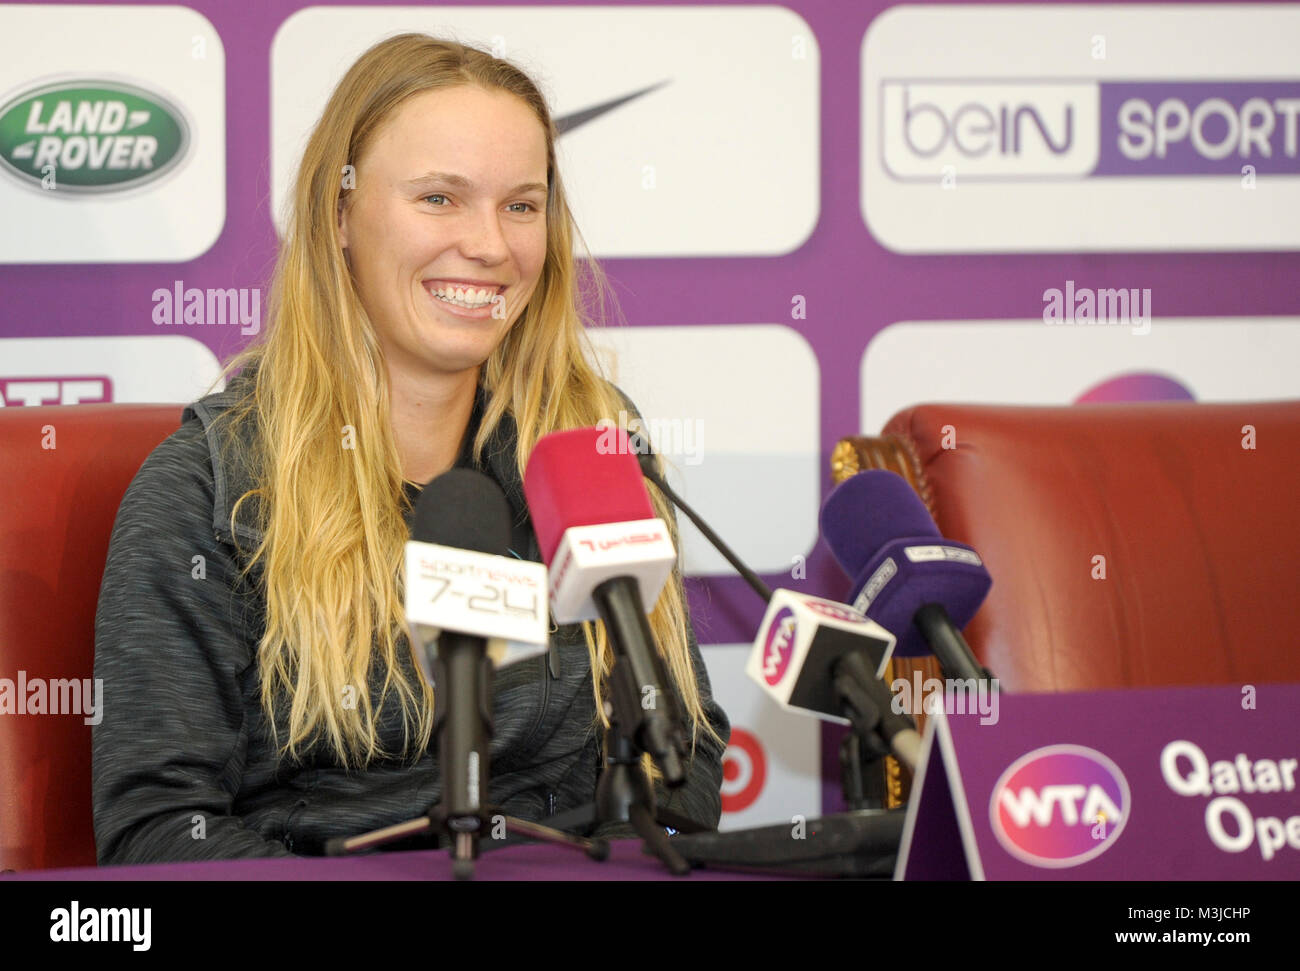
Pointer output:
455, 357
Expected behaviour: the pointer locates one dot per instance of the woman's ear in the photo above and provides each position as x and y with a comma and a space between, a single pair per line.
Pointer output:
343, 223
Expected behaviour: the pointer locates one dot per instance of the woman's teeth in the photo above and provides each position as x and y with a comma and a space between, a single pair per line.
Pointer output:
471, 298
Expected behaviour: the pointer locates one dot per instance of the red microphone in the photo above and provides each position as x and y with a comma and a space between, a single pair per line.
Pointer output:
608, 556
594, 520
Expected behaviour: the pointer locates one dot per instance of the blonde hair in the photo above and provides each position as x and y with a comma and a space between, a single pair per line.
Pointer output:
332, 518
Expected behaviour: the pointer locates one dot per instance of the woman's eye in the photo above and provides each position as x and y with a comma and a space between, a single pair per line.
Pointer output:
528, 206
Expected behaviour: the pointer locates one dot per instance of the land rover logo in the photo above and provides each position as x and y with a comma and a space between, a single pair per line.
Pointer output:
90, 136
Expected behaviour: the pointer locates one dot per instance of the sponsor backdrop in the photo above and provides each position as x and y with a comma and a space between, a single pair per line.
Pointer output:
814, 214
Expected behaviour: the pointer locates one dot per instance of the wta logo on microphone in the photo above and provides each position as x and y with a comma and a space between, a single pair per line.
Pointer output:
1059, 806
779, 646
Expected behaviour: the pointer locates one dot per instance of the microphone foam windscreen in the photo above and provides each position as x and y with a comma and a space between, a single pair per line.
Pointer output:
868, 510
880, 532
465, 510
583, 477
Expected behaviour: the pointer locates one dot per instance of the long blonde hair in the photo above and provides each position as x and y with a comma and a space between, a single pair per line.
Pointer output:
332, 518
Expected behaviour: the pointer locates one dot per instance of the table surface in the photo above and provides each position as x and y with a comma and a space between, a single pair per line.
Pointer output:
527, 862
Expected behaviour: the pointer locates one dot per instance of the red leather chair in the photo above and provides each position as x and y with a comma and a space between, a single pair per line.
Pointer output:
55, 523
1199, 537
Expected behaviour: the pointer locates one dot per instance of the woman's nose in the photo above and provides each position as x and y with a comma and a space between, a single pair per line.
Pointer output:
482, 236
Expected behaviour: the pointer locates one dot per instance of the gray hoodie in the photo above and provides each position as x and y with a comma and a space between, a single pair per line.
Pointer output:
183, 765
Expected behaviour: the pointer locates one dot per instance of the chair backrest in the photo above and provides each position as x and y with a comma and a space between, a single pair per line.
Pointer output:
65, 471
1130, 544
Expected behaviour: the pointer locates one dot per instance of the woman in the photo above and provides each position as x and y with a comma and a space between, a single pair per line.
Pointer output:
260, 694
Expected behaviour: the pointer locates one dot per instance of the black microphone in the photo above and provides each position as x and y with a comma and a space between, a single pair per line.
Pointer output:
463, 598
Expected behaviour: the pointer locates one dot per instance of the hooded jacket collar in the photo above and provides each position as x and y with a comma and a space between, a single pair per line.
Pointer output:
233, 476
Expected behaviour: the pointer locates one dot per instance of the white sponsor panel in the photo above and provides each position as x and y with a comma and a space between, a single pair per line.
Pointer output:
663, 173
736, 412
1069, 128
73, 370
1027, 362
153, 197
772, 768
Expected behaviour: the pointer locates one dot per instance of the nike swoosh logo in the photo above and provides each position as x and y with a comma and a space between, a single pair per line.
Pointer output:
577, 119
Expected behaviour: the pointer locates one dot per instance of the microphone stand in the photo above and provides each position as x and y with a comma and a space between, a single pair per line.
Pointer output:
860, 843
624, 792
955, 656
876, 729
464, 735
637, 724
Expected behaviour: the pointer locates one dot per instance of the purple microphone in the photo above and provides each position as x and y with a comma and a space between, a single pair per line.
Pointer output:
906, 576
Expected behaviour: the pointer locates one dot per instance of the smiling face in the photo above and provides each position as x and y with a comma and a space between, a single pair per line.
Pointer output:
445, 232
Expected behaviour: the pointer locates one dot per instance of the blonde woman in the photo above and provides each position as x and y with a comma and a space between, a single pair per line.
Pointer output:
260, 691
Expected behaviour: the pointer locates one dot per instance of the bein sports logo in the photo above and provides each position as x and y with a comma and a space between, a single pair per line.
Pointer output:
1000, 129
1059, 806
778, 647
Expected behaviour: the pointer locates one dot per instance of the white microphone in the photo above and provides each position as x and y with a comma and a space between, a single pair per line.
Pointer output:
810, 650
455, 589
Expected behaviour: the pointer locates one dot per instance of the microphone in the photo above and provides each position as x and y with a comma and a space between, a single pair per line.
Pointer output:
811, 654
822, 657
609, 555
906, 575
467, 603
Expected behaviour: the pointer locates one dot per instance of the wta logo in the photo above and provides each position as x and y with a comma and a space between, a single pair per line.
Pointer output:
1059, 806
778, 647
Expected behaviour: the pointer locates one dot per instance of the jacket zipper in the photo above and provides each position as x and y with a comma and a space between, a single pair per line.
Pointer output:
547, 659
287, 839
546, 692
